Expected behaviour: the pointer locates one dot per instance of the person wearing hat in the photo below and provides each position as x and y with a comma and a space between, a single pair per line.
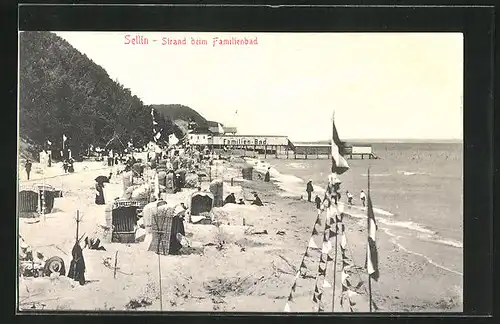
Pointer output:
27, 166
99, 197
177, 183
77, 265
309, 189
241, 202
230, 199
349, 197
362, 197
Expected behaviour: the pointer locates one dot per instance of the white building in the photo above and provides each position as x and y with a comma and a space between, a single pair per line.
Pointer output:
199, 139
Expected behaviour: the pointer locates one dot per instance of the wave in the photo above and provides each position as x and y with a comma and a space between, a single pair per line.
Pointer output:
293, 186
394, 241
408, 173
376, 174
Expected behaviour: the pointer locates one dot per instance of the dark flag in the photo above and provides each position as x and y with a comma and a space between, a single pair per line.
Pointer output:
339, 164
371, 250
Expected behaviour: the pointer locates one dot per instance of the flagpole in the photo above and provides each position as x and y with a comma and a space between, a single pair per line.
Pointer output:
335, 265
368, 232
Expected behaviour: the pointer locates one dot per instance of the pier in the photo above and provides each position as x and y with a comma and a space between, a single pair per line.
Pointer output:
275, 146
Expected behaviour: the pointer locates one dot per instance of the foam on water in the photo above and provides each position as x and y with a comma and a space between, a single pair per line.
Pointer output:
394, 240
408, 173
294, 186
376, 174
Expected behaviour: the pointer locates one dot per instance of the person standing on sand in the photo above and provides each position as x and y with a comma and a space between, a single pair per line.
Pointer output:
77, 265
267, 177
309, 189
27, 166
317, 200
349, 197
362, 197
99, 197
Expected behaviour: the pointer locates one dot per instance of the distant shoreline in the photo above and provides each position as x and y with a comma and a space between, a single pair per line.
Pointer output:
396, 141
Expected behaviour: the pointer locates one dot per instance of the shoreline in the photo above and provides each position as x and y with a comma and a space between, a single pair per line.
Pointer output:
434, 302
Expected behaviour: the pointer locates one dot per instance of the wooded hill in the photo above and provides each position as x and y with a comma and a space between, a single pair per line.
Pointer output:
62, 91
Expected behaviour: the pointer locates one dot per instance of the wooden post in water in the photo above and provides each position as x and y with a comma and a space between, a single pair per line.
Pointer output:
306, 153
265, 151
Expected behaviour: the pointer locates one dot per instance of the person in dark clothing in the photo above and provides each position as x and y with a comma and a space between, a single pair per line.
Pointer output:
317, 200
65, 166
177, 227
241, 202
77, 265
230, 199
71, 168
177, 183
99, 197
309, 189
267, 177
27, 166
257, 200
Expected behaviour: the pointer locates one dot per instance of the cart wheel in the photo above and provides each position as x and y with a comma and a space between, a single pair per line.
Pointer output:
54, 264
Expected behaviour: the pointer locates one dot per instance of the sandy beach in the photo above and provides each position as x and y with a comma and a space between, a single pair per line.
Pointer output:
237, 271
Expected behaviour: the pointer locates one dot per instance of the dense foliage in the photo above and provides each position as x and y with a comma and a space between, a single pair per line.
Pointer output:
62, 91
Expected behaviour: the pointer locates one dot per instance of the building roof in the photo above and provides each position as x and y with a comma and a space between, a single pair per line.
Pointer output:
241, 135
311, 144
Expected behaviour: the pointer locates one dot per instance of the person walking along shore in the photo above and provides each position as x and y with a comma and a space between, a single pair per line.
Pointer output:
309, 189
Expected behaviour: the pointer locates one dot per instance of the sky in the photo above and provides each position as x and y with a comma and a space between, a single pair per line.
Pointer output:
380, 85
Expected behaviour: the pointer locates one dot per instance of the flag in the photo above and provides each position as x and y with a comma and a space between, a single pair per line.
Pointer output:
49, 142
339, 164
64, 138
221, 130
371, 262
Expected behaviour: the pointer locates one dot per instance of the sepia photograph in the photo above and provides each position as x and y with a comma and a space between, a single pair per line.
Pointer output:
240, 172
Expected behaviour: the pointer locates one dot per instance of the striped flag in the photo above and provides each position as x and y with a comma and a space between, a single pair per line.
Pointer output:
339, 164
371, 262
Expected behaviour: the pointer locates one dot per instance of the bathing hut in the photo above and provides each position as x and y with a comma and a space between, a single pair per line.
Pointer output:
201, 202
124, 220
247, 172
149, 211
217, 189
138, 168
28, 203
165, 226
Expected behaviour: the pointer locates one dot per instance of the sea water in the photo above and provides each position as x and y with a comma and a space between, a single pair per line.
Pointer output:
416, 190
